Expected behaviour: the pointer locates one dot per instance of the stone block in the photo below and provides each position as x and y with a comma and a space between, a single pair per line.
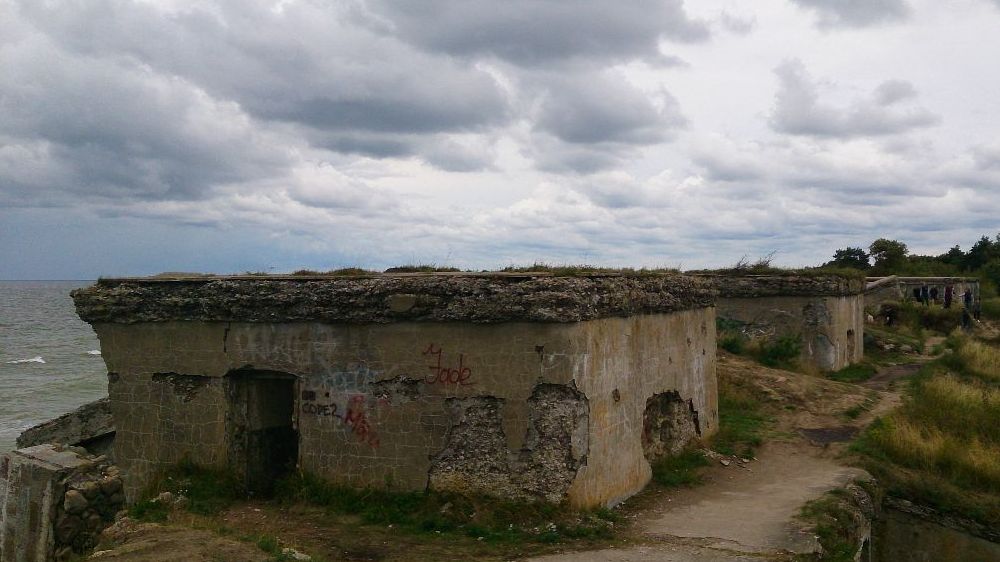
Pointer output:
43, 513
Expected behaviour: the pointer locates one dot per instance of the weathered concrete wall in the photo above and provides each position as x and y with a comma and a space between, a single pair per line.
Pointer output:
90, 426
54, 502
826, 313
163, 417
830, 329
519, 409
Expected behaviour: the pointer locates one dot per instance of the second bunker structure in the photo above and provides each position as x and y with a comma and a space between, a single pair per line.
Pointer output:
823, 313
523, 386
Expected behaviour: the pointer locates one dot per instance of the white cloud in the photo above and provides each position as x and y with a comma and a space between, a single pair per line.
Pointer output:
799, 109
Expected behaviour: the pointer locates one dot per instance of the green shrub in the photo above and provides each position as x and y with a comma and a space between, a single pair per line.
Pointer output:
733, 343
432, 512
782, 352
208, 491
991, 309
934, 317
679, 470
149, 510
858, 372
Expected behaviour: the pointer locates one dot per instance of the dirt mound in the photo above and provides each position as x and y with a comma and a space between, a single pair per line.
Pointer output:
130, 541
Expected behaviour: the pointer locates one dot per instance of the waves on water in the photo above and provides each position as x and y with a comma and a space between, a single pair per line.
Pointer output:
37, 359
94, 352
42, 325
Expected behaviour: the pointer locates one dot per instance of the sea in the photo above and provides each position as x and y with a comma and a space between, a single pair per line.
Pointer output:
50, 360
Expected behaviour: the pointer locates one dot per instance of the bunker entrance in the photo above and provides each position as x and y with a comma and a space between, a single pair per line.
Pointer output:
263, 438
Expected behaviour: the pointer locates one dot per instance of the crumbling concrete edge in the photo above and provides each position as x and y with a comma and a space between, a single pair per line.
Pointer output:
87, 423
851, 511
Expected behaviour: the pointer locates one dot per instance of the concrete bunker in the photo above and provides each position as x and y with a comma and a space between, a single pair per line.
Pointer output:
523, 386
825, 313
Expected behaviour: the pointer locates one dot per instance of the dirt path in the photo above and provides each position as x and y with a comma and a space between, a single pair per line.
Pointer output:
885, 379
739, 514
750, 512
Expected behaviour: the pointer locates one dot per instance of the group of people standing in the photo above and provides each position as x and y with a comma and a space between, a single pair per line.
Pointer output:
926, 294
970, 305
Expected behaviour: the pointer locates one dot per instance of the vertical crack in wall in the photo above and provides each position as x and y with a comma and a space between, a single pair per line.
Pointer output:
476, 458
669, 424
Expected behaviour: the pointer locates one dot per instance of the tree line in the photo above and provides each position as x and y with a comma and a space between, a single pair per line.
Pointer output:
892, 257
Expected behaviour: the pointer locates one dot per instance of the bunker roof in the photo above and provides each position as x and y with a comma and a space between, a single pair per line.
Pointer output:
735, 285
382, 298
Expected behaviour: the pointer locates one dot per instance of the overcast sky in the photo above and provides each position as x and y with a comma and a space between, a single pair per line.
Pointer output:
139, 136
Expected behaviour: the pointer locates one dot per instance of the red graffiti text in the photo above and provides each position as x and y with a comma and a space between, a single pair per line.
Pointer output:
441, 374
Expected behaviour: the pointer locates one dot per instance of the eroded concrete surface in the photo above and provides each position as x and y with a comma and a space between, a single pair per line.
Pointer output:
90, 426
476, 457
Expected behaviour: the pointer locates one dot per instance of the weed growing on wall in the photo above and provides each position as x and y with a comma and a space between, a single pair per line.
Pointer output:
835, 516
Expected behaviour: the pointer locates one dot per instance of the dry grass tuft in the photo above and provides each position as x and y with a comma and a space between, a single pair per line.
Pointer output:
981, 358
969, 463
942, 448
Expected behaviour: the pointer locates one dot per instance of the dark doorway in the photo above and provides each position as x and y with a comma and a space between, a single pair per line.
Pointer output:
263, 439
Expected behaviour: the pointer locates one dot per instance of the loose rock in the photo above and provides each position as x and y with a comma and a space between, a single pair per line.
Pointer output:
75, 502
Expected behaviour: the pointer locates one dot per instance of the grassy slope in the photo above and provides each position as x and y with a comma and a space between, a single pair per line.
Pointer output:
942, 447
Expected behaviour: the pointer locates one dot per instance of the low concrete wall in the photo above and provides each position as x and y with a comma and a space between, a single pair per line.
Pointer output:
54, 502
490, 401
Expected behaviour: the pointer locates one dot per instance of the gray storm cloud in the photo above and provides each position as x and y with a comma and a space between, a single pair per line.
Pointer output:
490, 131
856, 13
533, 32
